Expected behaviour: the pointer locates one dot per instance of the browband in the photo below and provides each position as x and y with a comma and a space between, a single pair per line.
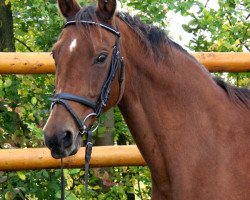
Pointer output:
106, 27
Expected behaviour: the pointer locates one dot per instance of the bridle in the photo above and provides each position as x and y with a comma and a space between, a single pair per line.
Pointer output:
97, 107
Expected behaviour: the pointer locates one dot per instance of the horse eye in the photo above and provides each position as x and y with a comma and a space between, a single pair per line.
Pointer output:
101, 59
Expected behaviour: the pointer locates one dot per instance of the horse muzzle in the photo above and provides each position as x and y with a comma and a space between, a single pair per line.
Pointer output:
62, 144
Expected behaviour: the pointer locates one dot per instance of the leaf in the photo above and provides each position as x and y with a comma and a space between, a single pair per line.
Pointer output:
74, 171
45, 174
21, 175
33, 100
97, 187
7, 83
58, 195
7, 2
3, 179
9, 196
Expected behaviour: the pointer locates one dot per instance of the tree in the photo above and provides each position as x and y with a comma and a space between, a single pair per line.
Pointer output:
6, 27
222, 29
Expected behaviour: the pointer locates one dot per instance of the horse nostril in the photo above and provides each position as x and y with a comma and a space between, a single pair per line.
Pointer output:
68, 139
60, 140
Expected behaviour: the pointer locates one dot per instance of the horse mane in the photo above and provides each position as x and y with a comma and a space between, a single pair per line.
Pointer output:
240, 96
153, 36
86, 13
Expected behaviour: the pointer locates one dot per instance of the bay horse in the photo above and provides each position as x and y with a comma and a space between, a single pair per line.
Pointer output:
192, 130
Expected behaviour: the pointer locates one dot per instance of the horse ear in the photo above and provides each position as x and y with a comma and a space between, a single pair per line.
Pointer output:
106, 9
68, 8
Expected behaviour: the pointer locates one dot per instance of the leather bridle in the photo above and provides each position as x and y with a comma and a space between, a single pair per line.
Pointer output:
97, 107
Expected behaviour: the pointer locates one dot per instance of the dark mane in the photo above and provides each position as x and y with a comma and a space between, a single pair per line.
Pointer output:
240, 96
151, 35
86, 13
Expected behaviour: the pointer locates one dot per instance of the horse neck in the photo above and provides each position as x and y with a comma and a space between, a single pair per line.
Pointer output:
173, 86
163, 100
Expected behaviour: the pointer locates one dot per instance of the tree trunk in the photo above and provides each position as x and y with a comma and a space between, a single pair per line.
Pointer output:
108, 138
7, 43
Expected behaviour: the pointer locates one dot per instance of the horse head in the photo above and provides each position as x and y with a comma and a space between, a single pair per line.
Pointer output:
89, 74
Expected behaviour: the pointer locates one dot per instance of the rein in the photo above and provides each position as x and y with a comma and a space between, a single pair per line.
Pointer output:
97, 107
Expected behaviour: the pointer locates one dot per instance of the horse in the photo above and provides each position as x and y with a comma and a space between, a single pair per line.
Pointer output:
192, 130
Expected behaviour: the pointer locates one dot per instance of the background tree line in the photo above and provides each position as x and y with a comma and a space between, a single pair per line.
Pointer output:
34, 25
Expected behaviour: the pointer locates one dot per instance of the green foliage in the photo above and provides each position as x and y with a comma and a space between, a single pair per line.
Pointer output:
30, 184
36, 23
150, 11
122, 133
20, 122
115, 183
223, 29
154, 11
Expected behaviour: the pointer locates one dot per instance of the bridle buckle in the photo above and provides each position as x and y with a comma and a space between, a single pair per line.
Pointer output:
86, 128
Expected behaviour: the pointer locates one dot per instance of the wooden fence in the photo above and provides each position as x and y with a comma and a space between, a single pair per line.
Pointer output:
105, 156
42, 63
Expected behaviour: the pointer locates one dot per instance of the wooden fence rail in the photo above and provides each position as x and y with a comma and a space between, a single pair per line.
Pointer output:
42, 63
40, 158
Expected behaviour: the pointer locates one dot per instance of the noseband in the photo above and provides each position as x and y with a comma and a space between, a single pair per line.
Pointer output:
97, 107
